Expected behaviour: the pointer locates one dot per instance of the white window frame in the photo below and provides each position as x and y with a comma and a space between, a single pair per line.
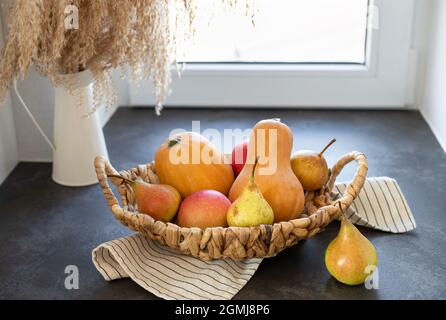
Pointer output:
383, 82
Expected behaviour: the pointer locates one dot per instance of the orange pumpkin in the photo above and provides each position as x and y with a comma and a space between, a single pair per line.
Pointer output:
189, 163
272, 142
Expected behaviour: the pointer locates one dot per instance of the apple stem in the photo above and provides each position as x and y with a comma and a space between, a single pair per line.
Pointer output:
326, 147
119, 177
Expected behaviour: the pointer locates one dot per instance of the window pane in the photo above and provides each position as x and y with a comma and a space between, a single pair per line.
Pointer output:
313, 31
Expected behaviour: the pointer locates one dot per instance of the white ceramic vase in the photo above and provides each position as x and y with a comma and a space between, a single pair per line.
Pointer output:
77, 139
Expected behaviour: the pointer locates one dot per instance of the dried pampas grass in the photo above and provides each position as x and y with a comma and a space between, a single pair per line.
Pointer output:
145, 35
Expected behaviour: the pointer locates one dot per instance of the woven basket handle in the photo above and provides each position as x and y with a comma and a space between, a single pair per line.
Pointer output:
354, 187
103, 168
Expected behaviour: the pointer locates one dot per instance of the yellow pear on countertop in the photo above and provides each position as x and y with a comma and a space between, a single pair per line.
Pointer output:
250, 208
350, 256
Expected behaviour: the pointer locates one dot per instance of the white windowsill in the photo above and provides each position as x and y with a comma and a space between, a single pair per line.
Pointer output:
271, 69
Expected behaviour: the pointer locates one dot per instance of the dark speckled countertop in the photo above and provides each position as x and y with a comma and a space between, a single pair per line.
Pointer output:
44, 227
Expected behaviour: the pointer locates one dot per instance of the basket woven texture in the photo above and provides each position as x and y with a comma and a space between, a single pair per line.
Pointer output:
234, 242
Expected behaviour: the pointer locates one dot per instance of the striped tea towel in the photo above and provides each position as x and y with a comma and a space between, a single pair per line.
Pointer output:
380, 205
171, 275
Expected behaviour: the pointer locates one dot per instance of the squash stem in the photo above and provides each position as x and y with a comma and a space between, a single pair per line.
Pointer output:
174, 142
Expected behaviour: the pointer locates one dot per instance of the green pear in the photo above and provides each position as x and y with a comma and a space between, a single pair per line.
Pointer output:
350, 255
250, 208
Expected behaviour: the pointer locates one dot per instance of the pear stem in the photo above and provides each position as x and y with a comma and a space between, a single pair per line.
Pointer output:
254, 168
326, 147
343, 215
119, 177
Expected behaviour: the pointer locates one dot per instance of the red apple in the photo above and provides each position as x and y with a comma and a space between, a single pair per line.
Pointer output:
239, 155
203, 209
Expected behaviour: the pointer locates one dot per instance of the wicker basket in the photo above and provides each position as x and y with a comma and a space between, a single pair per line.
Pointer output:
233, 242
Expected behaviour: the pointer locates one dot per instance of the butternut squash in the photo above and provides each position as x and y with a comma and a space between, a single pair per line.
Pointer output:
272, 142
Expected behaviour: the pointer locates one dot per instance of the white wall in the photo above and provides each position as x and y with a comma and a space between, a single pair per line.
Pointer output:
8, 150
421, 30
432, 103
